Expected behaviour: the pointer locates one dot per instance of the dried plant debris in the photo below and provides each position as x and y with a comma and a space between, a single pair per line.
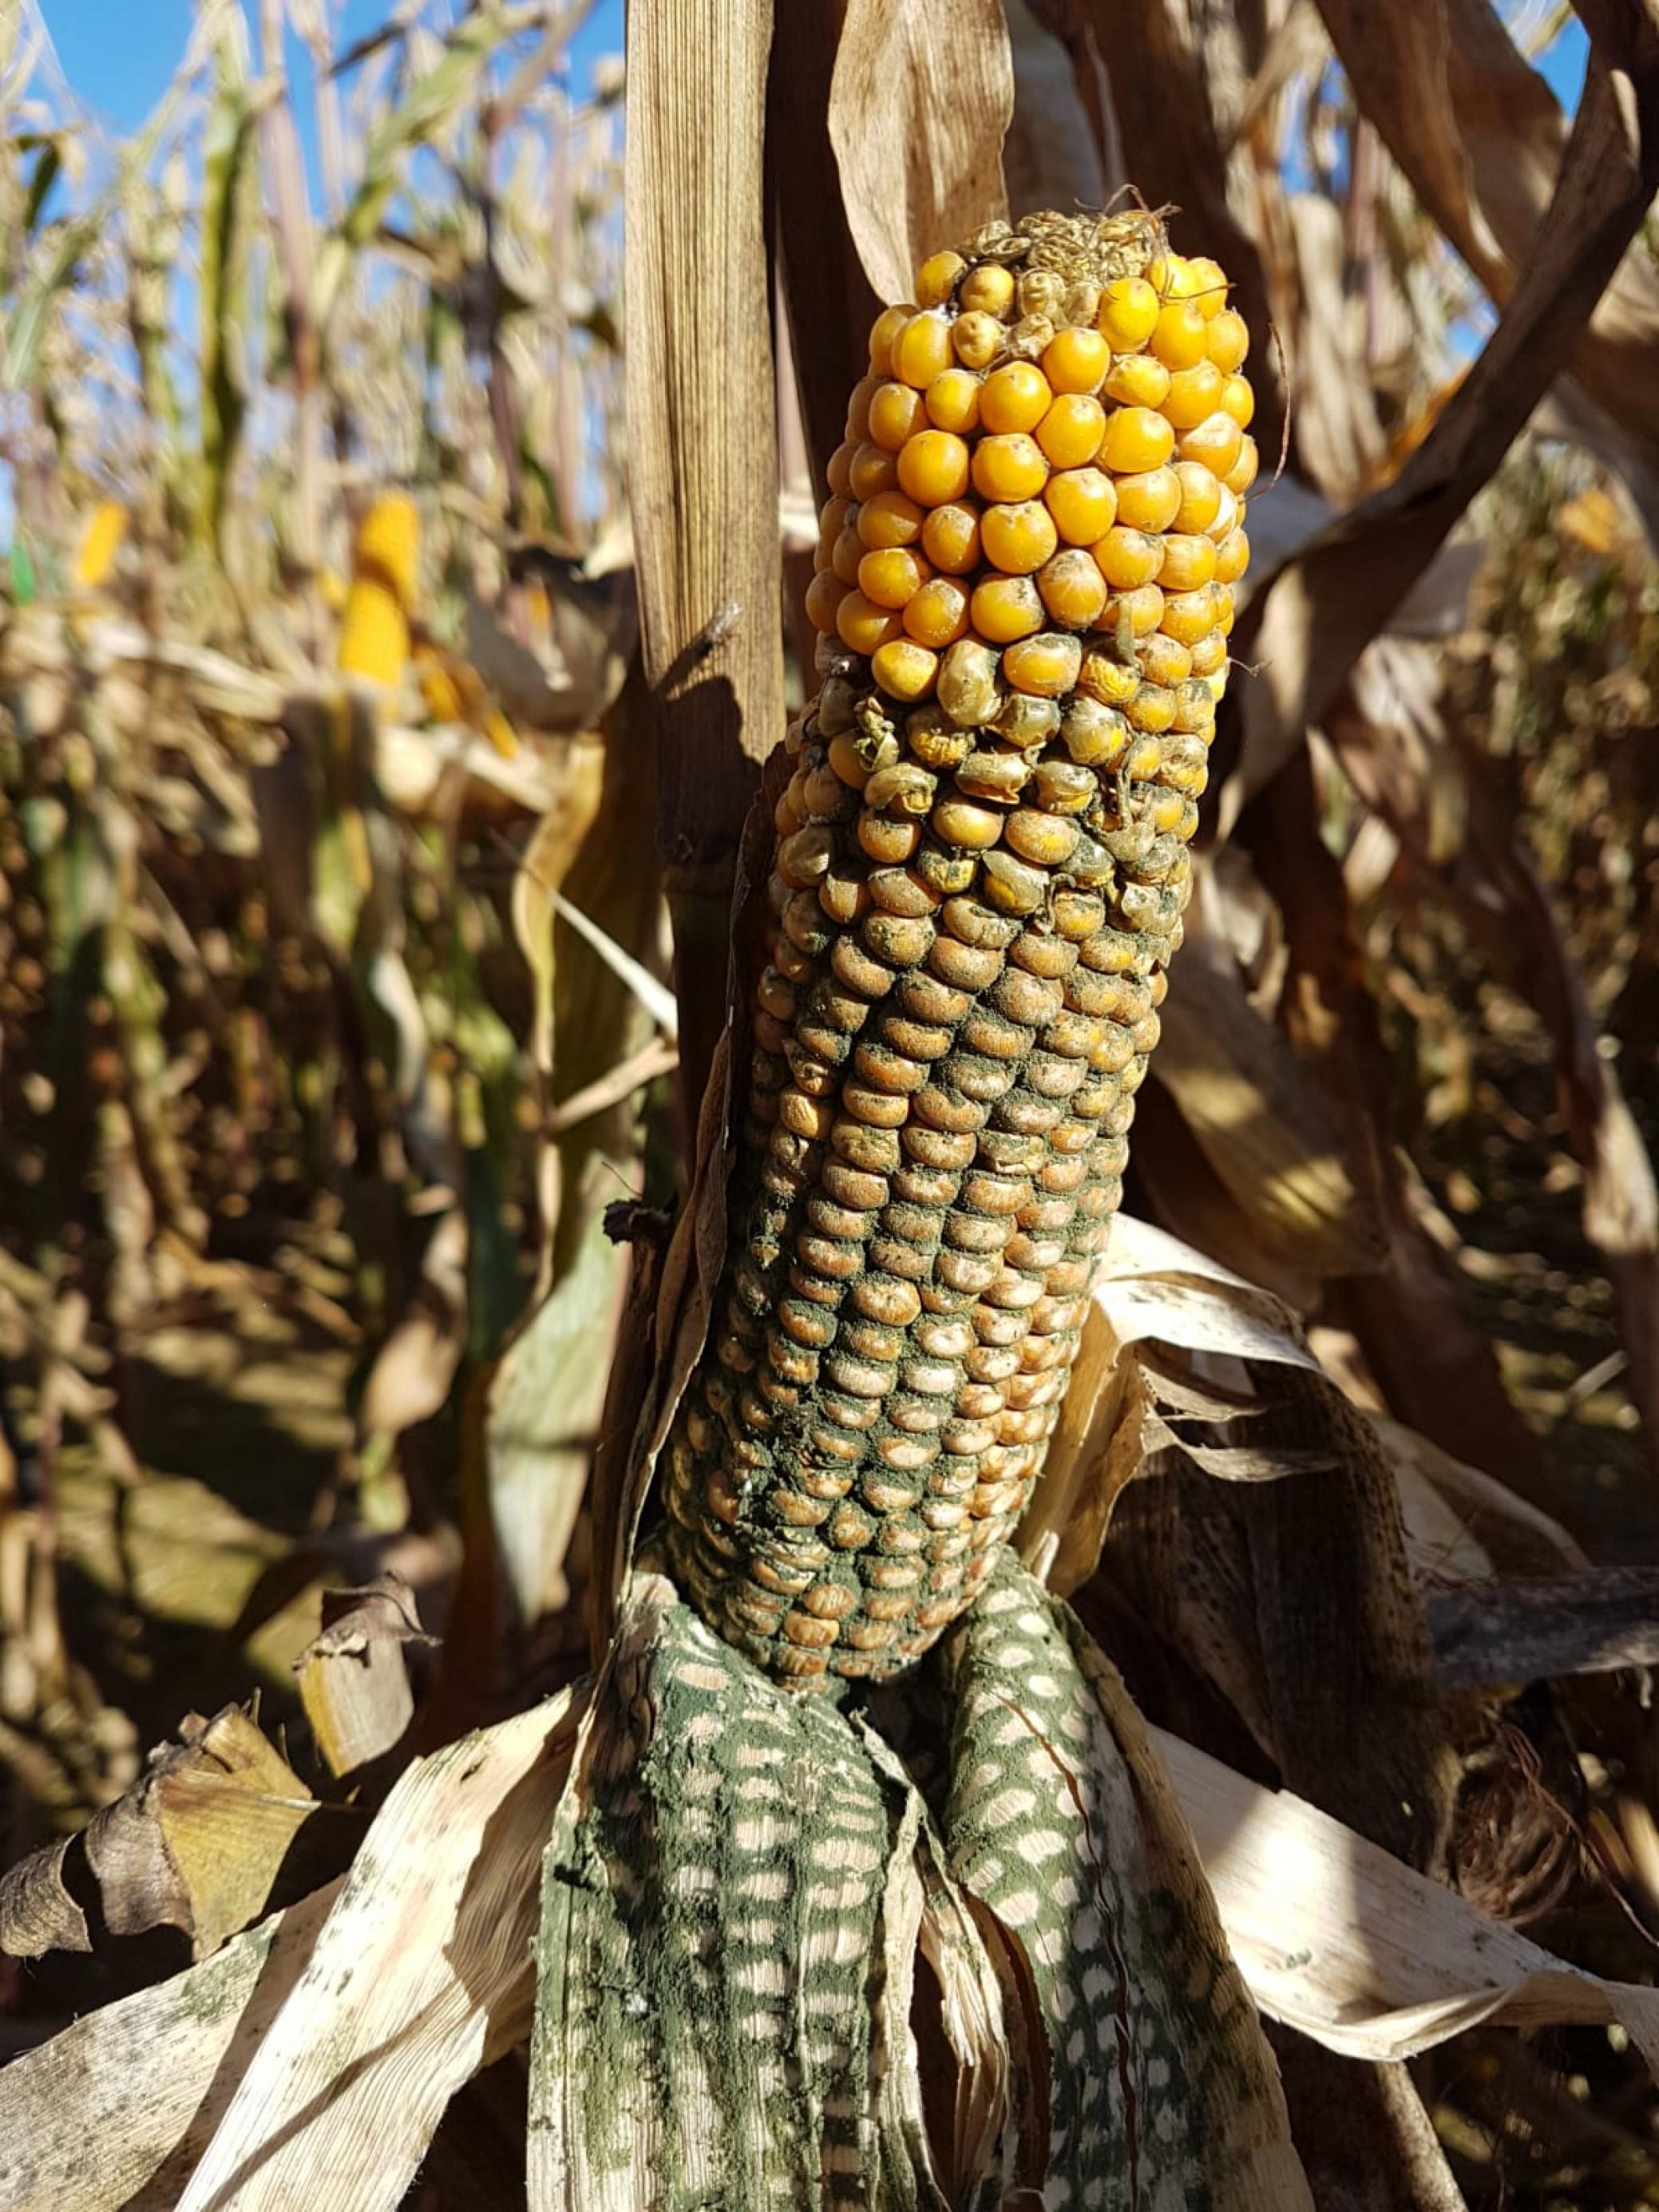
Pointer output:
195, 1844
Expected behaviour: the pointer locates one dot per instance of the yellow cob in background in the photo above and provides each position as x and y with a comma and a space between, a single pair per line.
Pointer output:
102, 540
1024, 592
374, 633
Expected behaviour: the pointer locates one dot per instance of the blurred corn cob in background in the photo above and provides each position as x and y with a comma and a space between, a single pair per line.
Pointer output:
375, 632
1022, 596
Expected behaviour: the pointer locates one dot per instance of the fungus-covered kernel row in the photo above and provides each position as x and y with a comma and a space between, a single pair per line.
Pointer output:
1024, 590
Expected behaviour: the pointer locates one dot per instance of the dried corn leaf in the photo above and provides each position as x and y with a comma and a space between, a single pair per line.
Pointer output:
1280, 1145
194, 1845
1481, 138
1463, 1525
1058, 1821
146, 2080
1360, 1952
544, 1400
354, 1678
921, 101
721, 2010
1153, 1285
1307, 623
421, 1975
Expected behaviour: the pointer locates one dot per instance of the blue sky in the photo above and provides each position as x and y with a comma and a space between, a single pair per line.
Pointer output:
119, 55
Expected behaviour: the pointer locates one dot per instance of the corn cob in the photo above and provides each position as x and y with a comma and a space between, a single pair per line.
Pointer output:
102, 539
1023, 595
384, 565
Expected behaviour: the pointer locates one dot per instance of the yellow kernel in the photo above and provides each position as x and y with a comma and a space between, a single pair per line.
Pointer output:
843, 757
1242, 475
1222, 600
823, 595
1217, 441
1005, 608
1009, 466
1228, 340
1136, 440
1238, 400
1181, 338
936, 276
883, 332
1150, 500
1209, 286
1070, 432
823, 554
922, 350
839, 470
1165, 659
903, 669
1167, 275
977, 339
1193, 393
1152, 709
1200, 497
863, 625
1128, 313
1142, 608
950, 538
1188, 561
987, 290
1141, 763
1137, 380
858, 408
1072, 588
1228, 514
953, 401
1076, 361
835, 515
1195, 705
1210, 654
932, 467
1189, 615
1082, 503
960, 822
895, 411
1046, 665
893, 576
1128, 558
1232, 557
846, 553
1015, 396
938, 615
889, 519
872, 470
1110, 681
1018, 538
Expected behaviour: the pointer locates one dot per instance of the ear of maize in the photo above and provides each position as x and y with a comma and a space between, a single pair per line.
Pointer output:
102, 539
1023, 593
374, 633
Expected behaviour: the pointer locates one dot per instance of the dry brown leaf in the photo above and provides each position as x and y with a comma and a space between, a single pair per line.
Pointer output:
146, 2080
420, 1976
1281, 1147
195, 1844
1337, 1938
1307, 623
1480, 136
354, 1677
918, 105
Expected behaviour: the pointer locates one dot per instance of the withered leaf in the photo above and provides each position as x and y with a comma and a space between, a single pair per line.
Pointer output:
195, 1844
918, 105
354, 1678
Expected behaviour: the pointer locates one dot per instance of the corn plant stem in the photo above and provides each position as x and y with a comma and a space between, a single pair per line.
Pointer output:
702, 461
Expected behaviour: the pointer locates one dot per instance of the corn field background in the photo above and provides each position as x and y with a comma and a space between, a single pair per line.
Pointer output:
410, 449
